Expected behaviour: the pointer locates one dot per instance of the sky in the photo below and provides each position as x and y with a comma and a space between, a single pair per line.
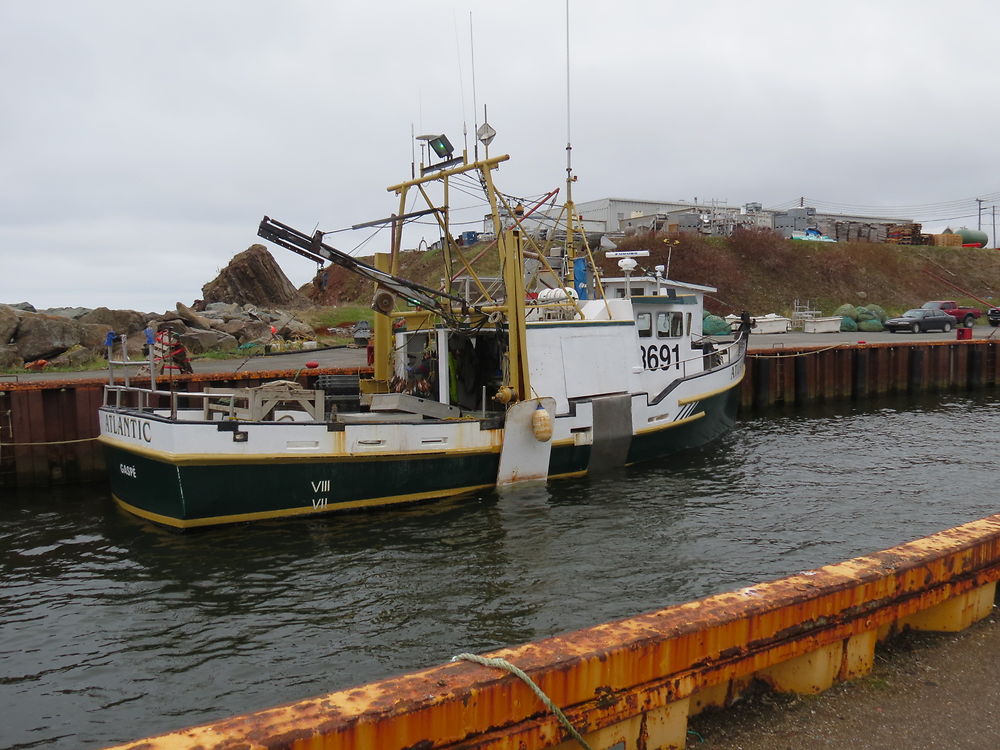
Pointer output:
142, 142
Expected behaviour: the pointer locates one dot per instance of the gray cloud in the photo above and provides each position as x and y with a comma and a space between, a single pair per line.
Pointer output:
141, 142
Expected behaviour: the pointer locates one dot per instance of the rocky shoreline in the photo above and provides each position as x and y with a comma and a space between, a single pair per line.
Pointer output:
250, 302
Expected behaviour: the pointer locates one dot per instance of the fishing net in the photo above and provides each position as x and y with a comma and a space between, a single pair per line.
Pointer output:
847, 324
713, 325
847, 311
864, 314
879, 312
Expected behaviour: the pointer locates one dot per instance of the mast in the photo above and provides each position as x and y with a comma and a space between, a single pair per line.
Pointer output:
570, 207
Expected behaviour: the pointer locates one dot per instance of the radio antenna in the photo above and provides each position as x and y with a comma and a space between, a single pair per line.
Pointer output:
475, 106
569, 142
461, 80
570, 208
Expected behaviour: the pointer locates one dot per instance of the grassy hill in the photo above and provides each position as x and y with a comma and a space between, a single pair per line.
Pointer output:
758, 271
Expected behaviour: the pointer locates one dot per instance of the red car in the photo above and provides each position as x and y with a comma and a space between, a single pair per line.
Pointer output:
967, 315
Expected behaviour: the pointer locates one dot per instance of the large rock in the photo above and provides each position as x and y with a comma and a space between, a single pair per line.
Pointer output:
25, 306
293, 328
44, 337
67, 312
244, 331
9, 321
94, 335
198, 340
121, 321
224, 310
191, 318
9, 358
73, 357
253, 277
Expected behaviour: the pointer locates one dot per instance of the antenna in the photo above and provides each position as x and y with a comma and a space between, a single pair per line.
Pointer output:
569, 141
461, 80
570, 208
475, 106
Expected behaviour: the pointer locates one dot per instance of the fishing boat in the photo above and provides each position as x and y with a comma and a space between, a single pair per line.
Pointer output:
542, 370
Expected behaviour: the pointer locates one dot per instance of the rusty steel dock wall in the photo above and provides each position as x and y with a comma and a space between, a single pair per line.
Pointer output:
40, 420
802, 375
632, 684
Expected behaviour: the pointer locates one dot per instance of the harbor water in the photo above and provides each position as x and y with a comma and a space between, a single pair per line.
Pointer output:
112, 629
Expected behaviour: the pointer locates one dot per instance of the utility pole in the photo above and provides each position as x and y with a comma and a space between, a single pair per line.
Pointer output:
994, 225
979, 214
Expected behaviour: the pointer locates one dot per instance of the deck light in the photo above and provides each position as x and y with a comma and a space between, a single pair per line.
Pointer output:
441, 146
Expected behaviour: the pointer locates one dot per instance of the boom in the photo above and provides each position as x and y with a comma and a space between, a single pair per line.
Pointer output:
318, 251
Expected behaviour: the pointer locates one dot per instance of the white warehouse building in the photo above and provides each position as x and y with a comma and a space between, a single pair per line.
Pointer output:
616, 216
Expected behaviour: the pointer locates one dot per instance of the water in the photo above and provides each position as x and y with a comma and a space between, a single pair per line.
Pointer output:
112, 629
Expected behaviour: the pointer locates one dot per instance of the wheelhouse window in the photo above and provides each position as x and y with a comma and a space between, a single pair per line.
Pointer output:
644, 322
670, 325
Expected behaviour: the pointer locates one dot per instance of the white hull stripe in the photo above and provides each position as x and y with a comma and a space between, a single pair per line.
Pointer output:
686, 411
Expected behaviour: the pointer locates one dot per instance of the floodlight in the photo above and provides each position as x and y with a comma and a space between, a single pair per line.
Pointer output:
442, 146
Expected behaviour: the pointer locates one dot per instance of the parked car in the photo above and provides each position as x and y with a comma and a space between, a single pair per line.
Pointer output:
967, 315
993, 316
921, 320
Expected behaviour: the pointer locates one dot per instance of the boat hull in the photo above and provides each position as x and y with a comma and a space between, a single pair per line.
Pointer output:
189, 495
186, 491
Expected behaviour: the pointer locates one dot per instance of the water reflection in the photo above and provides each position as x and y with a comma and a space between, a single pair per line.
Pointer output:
112, 627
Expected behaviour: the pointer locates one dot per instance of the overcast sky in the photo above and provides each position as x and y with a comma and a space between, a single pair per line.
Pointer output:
142, 142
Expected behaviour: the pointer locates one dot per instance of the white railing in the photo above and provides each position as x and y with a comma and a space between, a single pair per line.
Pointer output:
143, 397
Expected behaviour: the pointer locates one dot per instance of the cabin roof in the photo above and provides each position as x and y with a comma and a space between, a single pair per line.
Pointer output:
663, 282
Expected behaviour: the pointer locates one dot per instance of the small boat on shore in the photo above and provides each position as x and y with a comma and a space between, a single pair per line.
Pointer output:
481, 382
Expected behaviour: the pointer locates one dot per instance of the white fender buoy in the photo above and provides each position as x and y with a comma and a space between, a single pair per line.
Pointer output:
541, 424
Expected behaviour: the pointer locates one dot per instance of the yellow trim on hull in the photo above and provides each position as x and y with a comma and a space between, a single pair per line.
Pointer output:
668, 425
214, 459
716, 392
190, 523
568, 474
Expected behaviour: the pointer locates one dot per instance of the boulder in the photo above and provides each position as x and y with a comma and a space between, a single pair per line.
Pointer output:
198, 340
44, 337
25, 306
75, 313
193, 319
9, 358
295, 329
73, 357
9, 321
253, 277
248, 330
93, 336
224, 309
121, 321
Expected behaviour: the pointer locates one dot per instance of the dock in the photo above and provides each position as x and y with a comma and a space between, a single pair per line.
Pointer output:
48, 425
633, 683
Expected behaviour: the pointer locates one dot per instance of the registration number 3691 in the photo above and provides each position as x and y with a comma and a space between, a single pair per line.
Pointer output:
661, 357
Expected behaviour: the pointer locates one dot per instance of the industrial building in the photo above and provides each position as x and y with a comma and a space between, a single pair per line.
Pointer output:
618, 216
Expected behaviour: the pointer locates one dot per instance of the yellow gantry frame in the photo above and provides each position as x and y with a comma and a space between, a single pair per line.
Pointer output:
509, 244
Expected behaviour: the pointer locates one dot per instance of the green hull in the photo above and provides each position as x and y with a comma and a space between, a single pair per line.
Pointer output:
720, 416
187, 495
196, 495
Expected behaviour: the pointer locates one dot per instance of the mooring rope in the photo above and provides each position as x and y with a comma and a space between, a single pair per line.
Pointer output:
797, 354
49, 442
497, 663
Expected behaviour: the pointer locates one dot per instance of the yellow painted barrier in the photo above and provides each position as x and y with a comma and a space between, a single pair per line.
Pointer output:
636, 681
